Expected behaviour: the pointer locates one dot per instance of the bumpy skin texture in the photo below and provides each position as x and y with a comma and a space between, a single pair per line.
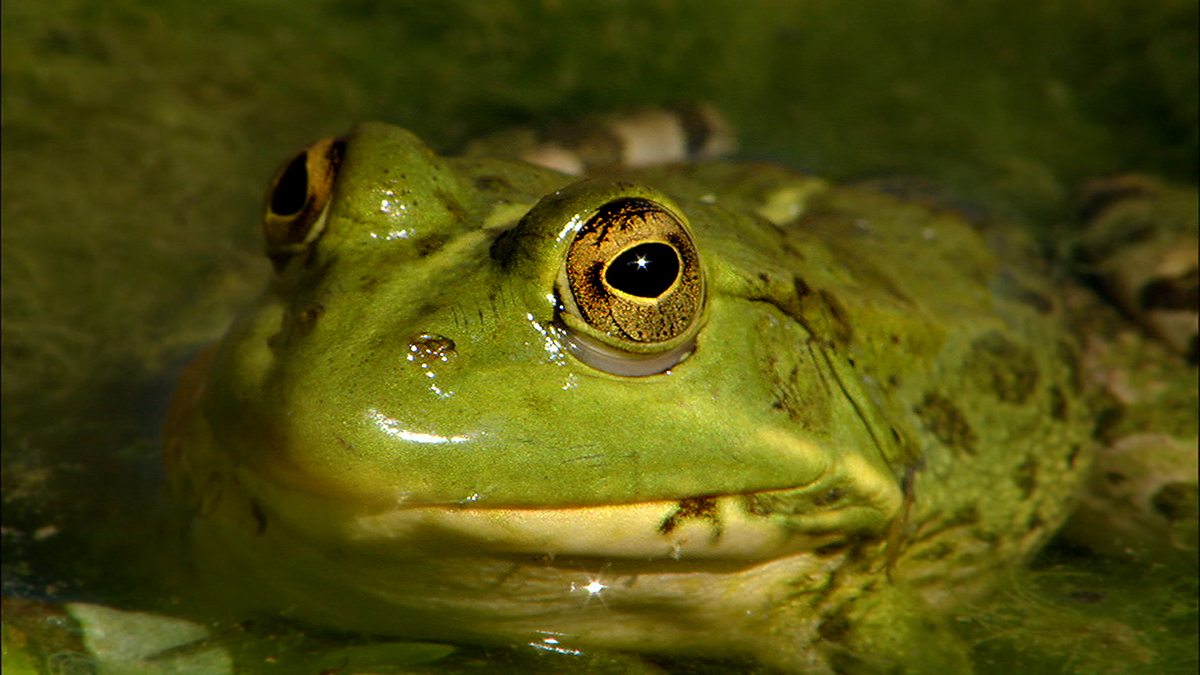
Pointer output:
875, 412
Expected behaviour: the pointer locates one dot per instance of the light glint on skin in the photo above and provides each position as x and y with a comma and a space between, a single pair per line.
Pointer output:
390, 205
551, 644
393, 235
413, 357
570, 228
392, 428
552, 340
594, 587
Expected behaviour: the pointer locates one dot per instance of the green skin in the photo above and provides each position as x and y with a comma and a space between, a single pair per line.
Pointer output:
880, 414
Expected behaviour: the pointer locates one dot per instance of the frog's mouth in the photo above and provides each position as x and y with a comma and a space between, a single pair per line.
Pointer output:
751, 526
710, 527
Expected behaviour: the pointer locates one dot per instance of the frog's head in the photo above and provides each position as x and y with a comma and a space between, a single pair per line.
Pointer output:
490, 354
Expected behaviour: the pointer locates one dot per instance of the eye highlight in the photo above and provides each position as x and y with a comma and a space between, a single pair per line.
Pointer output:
632, 287
645, 271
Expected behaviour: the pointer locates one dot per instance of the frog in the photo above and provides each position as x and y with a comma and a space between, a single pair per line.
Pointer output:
583, 397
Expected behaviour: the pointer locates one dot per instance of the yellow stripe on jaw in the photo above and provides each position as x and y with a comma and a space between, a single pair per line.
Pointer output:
625, 531
731, 530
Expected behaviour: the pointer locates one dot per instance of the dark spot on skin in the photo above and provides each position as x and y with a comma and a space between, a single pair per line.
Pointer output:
835, 627
297, 324
765, 504
944, 420
967, 515
897, 530
427, 246
830, 549
493, 184
426, 348
260, 518
451, 204
368, 284
842, 332
754, 506
1176, 501
797, 393
498, 249
692, 508
828, 497
801, 287
1058, 404
999, 365
306, 319
1025, 477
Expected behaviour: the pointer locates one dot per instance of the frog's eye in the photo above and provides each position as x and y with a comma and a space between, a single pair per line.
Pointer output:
297, 199
631, 288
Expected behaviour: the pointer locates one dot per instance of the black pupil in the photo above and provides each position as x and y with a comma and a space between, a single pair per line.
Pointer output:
645, 271
291, 190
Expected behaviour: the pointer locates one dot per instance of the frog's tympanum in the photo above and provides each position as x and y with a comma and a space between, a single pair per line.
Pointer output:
712, 409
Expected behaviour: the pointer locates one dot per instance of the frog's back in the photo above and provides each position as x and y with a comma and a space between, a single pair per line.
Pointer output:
949, 334
958, 335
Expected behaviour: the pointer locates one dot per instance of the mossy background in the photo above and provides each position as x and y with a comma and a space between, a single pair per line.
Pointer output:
138, 136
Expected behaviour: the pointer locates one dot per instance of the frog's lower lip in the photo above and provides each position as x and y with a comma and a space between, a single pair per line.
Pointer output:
724, 527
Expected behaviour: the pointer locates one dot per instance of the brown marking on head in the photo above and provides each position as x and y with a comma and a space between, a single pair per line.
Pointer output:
946, 422
692, 508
